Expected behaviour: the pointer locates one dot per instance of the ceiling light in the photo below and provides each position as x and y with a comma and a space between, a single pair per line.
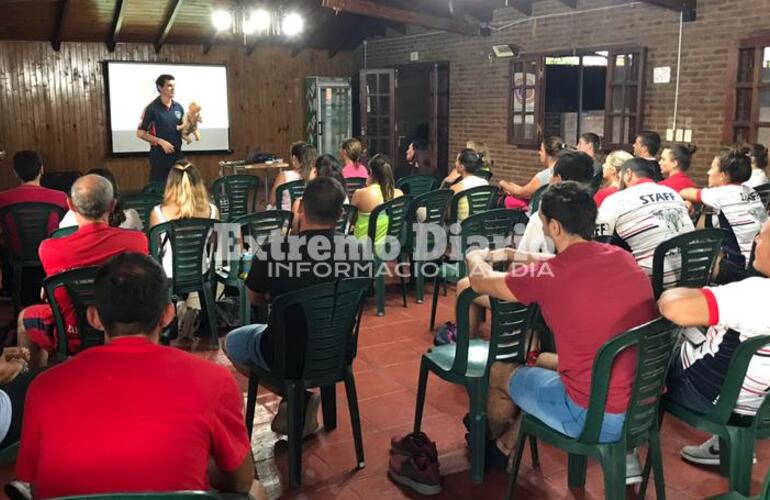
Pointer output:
258, 20
292, 24
221, 19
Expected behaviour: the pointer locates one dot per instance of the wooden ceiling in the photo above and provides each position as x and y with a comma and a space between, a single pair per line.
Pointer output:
334, 25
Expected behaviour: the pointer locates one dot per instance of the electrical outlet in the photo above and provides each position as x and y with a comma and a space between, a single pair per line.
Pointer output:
414, 56
679, 135
669, 134
688, 135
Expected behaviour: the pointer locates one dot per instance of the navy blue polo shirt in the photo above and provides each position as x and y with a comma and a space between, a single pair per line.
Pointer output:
161, 121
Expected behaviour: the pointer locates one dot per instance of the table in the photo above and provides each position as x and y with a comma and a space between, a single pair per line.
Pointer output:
226, 168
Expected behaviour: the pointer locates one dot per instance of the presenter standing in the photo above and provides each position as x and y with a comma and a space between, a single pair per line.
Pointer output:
159, 128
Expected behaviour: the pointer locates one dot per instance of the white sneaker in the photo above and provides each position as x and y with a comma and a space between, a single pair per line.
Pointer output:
633, 468
280, 423
18, 490
704, 454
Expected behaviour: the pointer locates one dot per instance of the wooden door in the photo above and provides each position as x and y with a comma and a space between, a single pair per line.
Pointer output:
378, 111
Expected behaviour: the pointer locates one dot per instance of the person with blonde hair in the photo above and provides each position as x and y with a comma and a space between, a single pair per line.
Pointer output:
303, 157
611, 180
350, 152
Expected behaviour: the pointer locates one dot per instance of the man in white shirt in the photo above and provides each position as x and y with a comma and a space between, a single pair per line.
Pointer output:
642, 215
734, 313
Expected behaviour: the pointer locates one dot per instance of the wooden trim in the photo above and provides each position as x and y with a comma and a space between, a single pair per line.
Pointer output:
117, 24
675, 5
210, 40
756, 42
755, 94
570, 3
523, 6
62, 11
169, 22
539, 113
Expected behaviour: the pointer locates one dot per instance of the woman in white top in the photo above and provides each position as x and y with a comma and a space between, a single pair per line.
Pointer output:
467, 164
122, 218
758, 166
303, 157
549, 152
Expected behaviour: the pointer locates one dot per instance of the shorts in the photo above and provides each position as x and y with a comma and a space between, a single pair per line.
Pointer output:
243, 346
39, 323
540, 392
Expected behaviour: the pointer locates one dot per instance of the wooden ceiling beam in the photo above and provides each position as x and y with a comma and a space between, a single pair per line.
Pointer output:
371, 9
523, 6
210, 41
168, 23
117, 24
63, 8
321, 24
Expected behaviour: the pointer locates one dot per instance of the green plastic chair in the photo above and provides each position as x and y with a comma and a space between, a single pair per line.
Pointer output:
157, 188
8, 454
698, 250
765, 495
29, 221
79, 286
63, 231
763, 191
294, 188
467, 363
235, 195
480, 199
433, 205
353, 184
494, 226
484, 174
737, 433
416, 185
253, 229
346, 222
332, 312
654, 342
396, 212
150, 495
534, 203
143, 203
191, 242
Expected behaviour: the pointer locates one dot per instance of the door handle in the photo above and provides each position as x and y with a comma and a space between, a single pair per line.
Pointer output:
320, 128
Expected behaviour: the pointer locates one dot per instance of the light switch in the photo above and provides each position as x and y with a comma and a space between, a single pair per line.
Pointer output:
679, 135
669, 134
688, 135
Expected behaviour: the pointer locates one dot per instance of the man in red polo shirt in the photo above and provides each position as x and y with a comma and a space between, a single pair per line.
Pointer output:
93, 243
28, 167
131, 415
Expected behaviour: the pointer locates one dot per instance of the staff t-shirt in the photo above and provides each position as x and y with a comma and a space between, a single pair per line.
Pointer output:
643, 216
737, 312
603, 194
567, 288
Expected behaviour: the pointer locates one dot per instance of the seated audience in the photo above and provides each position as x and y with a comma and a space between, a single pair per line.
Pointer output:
610, 178
350, 153
548, 153
302, 156
254, 345
642, 215
123, 218
647, 147
467, 164
418, 160
156, 418
674, 163
734, 313
381, 189
738, 208
582, 274
91, 245
591, 144
325, 166
758, 166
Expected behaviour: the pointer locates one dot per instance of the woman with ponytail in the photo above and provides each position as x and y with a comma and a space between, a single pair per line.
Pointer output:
381, 189
468, 163
674, 163
548, 154
758, 166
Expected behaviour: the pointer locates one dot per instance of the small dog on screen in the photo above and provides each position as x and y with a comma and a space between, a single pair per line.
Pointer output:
189, 126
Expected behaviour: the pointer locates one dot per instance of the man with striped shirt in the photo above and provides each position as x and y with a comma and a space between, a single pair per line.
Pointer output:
734, 313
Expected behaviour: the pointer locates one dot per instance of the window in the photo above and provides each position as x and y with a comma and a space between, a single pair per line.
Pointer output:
568, 95
748, 97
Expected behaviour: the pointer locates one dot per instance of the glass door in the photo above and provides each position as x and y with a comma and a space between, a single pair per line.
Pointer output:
334, 115
378, 111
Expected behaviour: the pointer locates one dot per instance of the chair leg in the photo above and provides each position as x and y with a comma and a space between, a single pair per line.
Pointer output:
478, 433
519, 452
657, 465
211, 312
296, 409
613, 462
329, 407
251, 402
419, 287
435, 303
379, 285
355, 419
576, 471
741, 459
533, 452
403, 290
244, 307
422, 385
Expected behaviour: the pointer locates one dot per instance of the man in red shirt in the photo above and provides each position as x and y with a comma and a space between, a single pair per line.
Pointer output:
131, 415
567, 288
91, 245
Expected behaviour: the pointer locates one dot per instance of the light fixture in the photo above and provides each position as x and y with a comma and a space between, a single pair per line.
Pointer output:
222, 19
506, 50
292, 24
250, 19
259, 21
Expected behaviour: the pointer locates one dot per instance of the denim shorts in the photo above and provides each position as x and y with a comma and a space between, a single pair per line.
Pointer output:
540, 392
243, 346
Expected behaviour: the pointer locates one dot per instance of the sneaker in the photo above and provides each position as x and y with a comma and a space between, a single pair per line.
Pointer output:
704, 454
446, 334
633, 468
280, 424
189, 321
413, 444
419, 473
18, 490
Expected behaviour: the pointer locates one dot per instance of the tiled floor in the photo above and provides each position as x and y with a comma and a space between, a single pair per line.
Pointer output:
386, 380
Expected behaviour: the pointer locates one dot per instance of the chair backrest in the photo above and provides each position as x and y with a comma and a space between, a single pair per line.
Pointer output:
79, 287
490, 229
156, 188
511, 323
191, 242
654, 342
259, 226
331, 310
763, 190
698, 251
171, 495
345, 223
479, 198
417, 184
534, 203
353, 184
63, 231
431, 208
484, 174
30, 223
396, 212
294, 188
143, 203
60, 180
235, 195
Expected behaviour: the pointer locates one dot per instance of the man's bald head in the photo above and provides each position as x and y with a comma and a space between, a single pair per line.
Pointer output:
91, 196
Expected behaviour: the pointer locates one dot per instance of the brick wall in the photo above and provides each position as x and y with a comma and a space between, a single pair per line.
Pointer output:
479, 86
